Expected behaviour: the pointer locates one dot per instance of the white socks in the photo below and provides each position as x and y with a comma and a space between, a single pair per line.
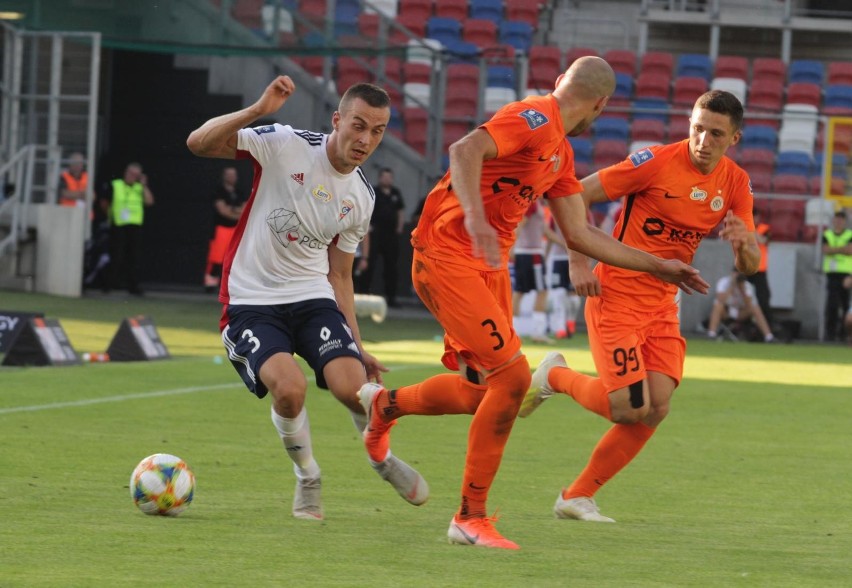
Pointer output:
296, 435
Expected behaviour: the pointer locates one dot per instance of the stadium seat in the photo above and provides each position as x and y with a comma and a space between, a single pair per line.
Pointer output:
313, 64
346, 20
648, 130
839, 73
660, 62
731, 66
787, 217
687, 90
768, 68
761, 182
479, 31
618, 107
500, 76
497, 97
455, 9
607, 152
523, 10
806, 70
463, 79
635, 146
678, 128
490, 9
790, 184
516, 33
838, 186
445, 30
416, 94
623, 85
839, 165
352, 70
804, 93
654, 108
453, 131
582, 147
419, 9
759, 137
794, 162
415, 28
621, 61
694, 65
756, 161
652, 85
574, 53
392, 68
417, 73
544, 66
395, 124
368, 24
499, 54
611, 128
385, 7
838, 100
416, 127
735, 86
798, 128
462, 51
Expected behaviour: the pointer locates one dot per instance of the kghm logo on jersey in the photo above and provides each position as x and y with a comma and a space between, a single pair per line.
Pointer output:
534, 118
321, 194
264, 129
697, 194
345, 208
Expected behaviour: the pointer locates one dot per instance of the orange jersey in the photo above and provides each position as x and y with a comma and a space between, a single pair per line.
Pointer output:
763, 229
669, 208
533, 157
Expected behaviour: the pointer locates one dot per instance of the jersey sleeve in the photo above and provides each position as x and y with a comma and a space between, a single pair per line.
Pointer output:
263, 143
567, 184
631, 175
514, 127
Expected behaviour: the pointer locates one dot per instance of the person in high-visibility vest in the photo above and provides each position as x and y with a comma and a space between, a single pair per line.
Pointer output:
129, 196
73, 182
836, 264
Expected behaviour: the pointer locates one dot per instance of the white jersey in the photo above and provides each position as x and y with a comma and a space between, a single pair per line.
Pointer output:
298, 207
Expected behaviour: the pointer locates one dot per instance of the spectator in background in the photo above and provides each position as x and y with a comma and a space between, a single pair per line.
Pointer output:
836, 264
360, 265
763, 234
73, 181
228, 204
385, 230
736, 300
128, 197
847, 322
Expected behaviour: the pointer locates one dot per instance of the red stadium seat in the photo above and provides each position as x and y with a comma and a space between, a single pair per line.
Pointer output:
768, 68
678, 128
790, 184
804, 93
416, 121
687, 91
419, 9
787, 218
648, 129
731, 66
576, 52
463, 79
653, 85
313, 64
660, 62
757, 160
418, 73
351, 70
544, 66
761, 182
523, 10
621, 61
479, 31
413, 23
840, 72
453, 131
608, 152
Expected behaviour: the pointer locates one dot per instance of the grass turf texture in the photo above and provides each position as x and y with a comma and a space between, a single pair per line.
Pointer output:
746, 484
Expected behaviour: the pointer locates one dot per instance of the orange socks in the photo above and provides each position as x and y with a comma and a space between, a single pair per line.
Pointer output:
442, 394
616, 449
588, 391
489, 432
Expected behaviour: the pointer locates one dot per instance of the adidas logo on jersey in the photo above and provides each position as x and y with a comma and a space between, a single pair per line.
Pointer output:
300, 178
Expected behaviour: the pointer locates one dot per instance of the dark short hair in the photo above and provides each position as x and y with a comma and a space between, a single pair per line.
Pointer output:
722, 102
386, 170
840, 214
369, 93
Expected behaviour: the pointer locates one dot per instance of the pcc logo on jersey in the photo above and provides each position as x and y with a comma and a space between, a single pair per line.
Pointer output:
284, 225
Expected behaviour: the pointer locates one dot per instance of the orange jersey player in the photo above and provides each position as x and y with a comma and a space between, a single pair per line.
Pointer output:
460, 271
675, 195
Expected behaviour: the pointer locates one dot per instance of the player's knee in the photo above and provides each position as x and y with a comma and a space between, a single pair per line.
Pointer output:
630, 405
515, 376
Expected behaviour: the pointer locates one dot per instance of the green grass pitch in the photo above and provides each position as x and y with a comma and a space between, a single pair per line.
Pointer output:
747, 483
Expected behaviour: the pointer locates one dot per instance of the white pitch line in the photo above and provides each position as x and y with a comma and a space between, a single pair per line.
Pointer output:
137, 396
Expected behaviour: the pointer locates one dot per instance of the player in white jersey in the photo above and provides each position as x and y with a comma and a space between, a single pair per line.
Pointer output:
287, 276
529, 250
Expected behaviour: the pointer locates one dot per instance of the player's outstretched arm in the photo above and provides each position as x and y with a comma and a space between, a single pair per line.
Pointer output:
571, 217
743, 243
218, 136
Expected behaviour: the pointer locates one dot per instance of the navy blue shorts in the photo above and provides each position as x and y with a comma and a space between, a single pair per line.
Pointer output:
315, 330
529, 272
559, 276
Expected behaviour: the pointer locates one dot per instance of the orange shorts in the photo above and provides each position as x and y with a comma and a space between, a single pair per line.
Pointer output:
474, 307
219, 244
626, 344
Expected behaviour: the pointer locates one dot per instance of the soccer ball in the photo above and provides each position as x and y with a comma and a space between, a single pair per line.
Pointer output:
162, 484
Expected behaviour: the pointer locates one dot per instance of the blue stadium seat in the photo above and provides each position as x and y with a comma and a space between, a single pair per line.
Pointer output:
838, 100
759, 137
501, 76
516, 33
694, 65
444, 30
839, 165
461, 51
794, 162
623, 85
654, 108
582, 147
611, 128
806, 70
490, 9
